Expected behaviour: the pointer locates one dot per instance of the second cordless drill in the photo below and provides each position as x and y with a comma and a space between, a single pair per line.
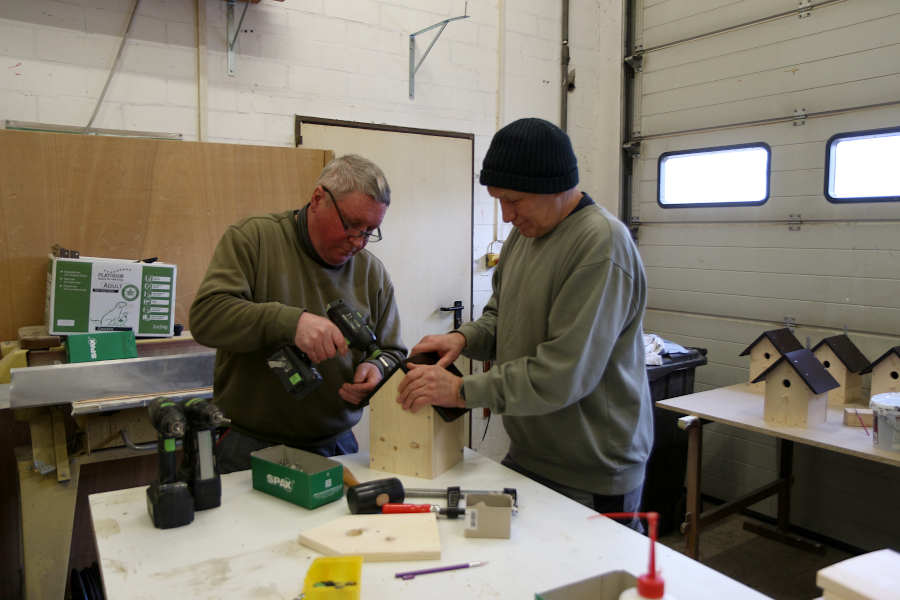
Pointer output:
198, 465
169, 500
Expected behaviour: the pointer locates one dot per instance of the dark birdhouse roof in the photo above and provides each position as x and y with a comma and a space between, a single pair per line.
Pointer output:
783, 340
846, 351
808, 367
894, 350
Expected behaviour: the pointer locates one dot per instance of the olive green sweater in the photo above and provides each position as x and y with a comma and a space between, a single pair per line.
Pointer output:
564, 325
263, 274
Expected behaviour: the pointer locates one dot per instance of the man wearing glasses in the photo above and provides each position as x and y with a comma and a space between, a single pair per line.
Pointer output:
268, 285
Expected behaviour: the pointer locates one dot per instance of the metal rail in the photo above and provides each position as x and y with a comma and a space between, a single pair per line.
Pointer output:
117, 380
802, 9
767, 121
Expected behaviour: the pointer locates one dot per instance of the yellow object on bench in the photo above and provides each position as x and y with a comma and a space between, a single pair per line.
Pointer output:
333, 578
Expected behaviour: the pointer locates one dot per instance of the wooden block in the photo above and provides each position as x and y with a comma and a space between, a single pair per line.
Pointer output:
377, 538
488, 515
36, 337
858, 416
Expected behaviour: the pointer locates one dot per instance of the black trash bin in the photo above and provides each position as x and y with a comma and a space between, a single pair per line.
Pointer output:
664, 490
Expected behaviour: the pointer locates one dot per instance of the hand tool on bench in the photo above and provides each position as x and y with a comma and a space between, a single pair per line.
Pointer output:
451, 512
369, 497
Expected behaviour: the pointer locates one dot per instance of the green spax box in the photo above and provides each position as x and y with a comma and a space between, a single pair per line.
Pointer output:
106, 345
297, 476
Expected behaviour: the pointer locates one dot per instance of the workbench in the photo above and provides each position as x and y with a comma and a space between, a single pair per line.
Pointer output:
104, 397
248, 547
742, 407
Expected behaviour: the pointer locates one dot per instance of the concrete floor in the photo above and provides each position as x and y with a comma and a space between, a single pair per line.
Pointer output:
772, 568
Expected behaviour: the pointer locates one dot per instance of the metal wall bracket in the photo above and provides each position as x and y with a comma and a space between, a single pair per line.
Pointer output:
790, 323
794, 222
413, 65
635, 60
804, 4
633, 148
634, 226
232, 31
799, 117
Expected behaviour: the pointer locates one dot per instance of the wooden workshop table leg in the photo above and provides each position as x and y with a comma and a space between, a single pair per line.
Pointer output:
48, 512
785, 480
786, 474
691, 525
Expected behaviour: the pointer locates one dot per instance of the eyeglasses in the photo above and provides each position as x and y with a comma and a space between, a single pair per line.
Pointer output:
371, 236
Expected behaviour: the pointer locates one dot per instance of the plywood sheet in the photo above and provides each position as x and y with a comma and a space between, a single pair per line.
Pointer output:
131, 198
377, 537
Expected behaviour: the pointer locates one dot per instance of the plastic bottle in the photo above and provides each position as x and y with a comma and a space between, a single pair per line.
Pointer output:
650, 585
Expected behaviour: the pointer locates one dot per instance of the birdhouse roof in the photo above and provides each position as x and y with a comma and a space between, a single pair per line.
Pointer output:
846, 351
783, 340
447, 413
894, 350
808, 367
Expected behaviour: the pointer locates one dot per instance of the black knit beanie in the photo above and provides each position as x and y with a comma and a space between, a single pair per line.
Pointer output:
530, 155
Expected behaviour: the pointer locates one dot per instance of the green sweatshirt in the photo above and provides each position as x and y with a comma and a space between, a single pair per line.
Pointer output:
564, 325
263, 274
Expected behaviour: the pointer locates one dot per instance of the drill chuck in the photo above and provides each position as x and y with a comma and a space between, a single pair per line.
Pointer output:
167, 417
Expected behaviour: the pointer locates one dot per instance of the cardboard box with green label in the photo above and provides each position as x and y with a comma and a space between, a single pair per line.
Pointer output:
87, 294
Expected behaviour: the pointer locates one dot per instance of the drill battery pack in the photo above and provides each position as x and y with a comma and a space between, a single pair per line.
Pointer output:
294, 370
170, 504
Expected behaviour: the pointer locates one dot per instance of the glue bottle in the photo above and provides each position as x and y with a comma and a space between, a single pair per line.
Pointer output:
650, 586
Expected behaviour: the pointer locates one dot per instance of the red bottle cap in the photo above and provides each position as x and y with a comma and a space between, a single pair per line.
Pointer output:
651, 585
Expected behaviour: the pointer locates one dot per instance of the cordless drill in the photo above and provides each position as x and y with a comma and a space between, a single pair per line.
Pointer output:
198, 465
169, 500
297, 373
353, 325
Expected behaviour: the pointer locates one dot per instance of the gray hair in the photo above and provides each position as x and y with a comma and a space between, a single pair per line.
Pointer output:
353, 173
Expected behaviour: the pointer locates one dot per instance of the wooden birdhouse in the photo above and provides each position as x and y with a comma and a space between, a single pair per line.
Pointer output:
796, 390
421, 444
845, 363
766, 349
886, 372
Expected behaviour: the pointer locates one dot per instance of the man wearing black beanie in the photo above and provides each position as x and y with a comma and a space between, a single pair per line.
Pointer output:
564, 325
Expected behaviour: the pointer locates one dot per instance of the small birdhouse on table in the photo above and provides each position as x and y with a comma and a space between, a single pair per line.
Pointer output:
885, 372
796, 390
422, 444
846, 363
766, 349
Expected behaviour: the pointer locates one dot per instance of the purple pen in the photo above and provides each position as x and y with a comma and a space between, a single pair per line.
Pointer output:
412, 574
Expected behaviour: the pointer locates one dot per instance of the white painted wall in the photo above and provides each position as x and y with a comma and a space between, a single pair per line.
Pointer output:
340, 59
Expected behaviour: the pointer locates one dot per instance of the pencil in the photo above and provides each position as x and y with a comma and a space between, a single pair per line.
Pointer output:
412, 574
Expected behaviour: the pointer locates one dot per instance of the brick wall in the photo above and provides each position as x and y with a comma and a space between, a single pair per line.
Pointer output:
344, 59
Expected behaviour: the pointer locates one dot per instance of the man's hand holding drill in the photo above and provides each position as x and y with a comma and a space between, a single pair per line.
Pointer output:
319, 338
